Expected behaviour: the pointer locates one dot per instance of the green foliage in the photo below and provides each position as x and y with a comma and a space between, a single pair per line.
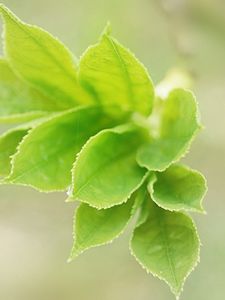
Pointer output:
174, 125
52, 146
106, 172
166, 245
19, 101
8, 145
42, 61
178, 188
125, 84
94, 227
97, 130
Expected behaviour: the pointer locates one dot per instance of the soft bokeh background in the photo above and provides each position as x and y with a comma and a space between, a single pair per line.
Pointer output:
35, 229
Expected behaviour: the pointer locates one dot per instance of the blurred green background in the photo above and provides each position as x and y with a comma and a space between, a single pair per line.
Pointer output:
36, 229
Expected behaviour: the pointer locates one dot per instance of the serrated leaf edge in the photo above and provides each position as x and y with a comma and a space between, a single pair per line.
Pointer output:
77, 253
23, 126
150, 188
119, 130
39, 122
107, 34
197, 261
185, 150
74, 61
5, 10
23, 117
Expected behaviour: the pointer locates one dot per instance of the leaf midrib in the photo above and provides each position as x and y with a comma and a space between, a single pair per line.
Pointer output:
118, 157
50, 158
125, 72
167, 247
101, 224
69, 76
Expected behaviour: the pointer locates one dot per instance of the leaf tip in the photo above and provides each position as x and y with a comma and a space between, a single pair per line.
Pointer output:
6, 180
177, 297
203, 211
107, 30
69, 260
2, 7
69, 199
6, 12
74, 253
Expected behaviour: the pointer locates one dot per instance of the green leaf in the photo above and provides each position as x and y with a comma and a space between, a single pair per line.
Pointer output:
42, 60
105, 172
45, 157
94, 227
142, 203
167, 245
71, 107
172, 128
116, 77
19, 101
8, 145
178, 188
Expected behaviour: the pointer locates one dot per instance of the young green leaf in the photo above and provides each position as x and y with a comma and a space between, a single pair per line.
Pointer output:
142, 203
167, 245
19, 101
178, 125
9, 142
94, 227
116, 77
178, 188
41, 82
46, 155
42, 60
8, 145
105, 172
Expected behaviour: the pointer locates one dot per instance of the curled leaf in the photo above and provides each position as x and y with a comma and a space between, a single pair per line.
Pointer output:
172, 129
178, 188
8, 145
94, 227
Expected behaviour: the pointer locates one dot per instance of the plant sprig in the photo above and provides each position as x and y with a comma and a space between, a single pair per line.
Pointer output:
94, 128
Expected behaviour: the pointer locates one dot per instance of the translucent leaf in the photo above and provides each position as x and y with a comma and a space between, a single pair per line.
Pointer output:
172, 128
42, 60
116, 77
167, 245
178, 188
19, 101
94, 227
105, 172
45, 157
142, 198
8, 144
